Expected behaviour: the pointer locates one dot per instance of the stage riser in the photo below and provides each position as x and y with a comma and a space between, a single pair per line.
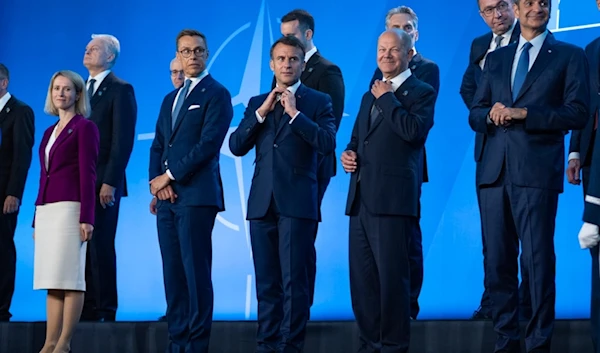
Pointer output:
322, 337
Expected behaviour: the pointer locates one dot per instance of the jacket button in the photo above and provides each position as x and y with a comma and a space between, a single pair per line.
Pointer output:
170, 145
366, 142
275, 145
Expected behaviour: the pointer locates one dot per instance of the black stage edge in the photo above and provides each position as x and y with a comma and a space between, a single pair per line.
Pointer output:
322, 337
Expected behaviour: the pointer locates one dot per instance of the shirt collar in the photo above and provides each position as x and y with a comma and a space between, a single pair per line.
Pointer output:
196, 80
399, 80
5, 98
536, 42
309, 54
506, 35
293, 88
99, 78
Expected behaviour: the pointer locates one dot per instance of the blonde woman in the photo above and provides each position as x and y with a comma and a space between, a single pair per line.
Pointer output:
65, 204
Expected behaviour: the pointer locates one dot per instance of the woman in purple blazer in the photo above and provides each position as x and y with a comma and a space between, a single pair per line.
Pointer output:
64, 214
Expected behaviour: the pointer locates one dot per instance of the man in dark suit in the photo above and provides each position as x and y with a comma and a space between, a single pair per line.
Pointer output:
289, 127
186, 178
324, 76
530, 94
404, 18
114, 110
583, 159
16, 142
385, 158
504, 30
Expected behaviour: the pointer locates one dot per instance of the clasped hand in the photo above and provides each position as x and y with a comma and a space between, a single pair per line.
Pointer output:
349, 161
502, 116
160, 188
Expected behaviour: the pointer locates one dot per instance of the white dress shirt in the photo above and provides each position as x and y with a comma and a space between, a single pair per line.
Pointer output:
49, 146
99, 78
398, 80
309, 54
5, 98
293, 88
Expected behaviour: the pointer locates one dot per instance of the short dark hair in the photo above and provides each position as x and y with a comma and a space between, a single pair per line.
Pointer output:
305, 19
191, 33
291, 41
4, 72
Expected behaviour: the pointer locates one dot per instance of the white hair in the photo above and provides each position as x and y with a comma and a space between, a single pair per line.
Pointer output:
112, 45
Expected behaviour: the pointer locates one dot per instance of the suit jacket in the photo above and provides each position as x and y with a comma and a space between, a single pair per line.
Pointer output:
390, 151
71, 173
287, 154
581, 140
322, 75
426, 71
114, 110
191, 150
472, 75
556, 96
16, 144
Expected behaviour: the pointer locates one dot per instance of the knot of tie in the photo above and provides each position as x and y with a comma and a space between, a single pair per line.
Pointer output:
498, 41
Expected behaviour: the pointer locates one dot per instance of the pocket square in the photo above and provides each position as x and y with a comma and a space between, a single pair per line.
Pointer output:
193, 106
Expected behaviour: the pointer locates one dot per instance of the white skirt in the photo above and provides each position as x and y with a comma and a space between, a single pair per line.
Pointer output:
59, 260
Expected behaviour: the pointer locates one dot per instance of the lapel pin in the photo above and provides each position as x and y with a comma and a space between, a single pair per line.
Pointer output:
413, 67
549, 51
70, 131
203, 90
404, 93
310, 69
100, 93
7, 110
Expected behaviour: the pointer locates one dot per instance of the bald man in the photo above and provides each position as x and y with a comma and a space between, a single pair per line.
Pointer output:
385, 157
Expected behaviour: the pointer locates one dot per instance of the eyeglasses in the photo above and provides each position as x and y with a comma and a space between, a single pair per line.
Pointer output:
501, 7
176, 72
186, 53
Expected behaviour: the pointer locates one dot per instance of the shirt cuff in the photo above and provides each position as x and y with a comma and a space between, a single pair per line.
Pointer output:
573, 155
588, 236
294, 117
170, 175
592, 200
258, 117
489, 120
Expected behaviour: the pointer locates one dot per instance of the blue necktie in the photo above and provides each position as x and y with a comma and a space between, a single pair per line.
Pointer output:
91, 88
522, 70
182, 95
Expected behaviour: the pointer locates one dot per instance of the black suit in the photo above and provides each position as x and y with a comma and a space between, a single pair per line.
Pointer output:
468, 87
16, 143
583, 141
383, 205
322, 75
428, 72
114, 110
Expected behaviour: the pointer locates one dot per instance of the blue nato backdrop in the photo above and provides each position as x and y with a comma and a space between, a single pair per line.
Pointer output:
38, 38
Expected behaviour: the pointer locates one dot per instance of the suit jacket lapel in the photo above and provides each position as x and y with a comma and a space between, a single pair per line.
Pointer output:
199, 92
403, 90
64, 134
509, 55
310, 66
101, 91
543, 59
7, 108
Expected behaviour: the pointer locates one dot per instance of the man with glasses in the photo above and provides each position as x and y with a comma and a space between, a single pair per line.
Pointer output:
16, 143
185, 177
531, 92
406, 19
114, 110
500, 18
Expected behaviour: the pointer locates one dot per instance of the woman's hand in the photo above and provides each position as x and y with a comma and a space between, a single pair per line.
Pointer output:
85, 231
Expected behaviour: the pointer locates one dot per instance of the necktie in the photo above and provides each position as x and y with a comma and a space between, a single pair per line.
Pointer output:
180, 99
498, 42
277, 113
91, 88
522, 70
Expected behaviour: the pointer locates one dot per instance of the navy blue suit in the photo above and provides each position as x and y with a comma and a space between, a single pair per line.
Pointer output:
583, 141
383, 205
283, 210
520, 175
468, 87
427, 71
190, 151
